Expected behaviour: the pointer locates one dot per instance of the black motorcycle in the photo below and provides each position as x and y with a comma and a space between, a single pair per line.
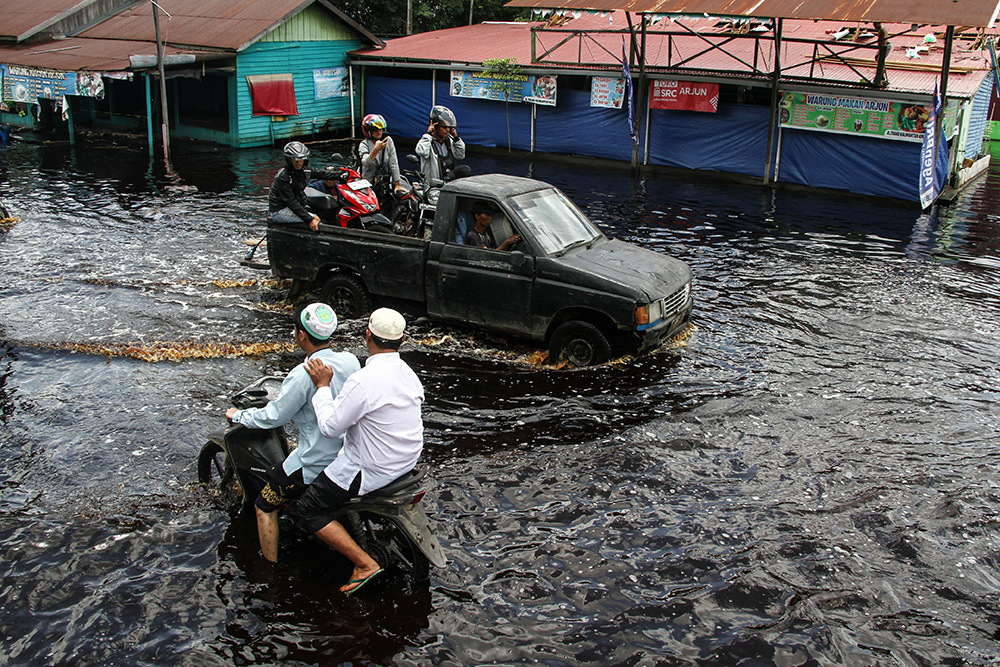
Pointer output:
389, 524
413, 213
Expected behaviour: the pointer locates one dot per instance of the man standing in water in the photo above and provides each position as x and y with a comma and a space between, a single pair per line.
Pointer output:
378, 411
314, 325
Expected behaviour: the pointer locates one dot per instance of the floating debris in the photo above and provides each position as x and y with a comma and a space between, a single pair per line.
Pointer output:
7, 224
169, 350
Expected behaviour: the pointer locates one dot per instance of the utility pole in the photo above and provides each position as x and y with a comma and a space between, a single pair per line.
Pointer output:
163, 85
409, 17
470, 11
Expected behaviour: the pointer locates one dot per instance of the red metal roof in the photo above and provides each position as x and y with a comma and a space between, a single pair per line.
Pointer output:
221, 24
20, 18
934, 12
74, 54
467, 47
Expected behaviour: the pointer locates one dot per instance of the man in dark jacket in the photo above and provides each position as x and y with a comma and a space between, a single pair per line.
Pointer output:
286, 203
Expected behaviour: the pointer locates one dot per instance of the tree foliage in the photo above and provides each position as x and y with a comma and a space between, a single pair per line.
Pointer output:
388, 17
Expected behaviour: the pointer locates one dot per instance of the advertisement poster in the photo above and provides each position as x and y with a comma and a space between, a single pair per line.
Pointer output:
607, 92
331, 82
482, 85
684, 95
25, 84
903, 121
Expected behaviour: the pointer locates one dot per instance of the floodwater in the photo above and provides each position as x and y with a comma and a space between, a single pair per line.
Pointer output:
809, 478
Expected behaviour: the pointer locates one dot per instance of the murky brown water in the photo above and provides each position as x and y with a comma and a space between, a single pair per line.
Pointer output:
810, 478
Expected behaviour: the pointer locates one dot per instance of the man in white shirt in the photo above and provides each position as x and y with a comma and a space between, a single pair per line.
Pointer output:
378, 411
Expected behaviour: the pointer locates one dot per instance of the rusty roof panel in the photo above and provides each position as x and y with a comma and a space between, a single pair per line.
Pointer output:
221, 24
74, 54
908, 72
934, 12
19, 18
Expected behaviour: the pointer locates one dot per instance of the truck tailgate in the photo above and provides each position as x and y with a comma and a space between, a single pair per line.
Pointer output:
389, 265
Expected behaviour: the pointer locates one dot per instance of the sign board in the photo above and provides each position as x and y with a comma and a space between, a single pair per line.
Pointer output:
903, 121
607, 92
26, 84
484, 86
684, 95
331, 82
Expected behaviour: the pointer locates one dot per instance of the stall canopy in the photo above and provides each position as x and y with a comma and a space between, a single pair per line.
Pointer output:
981, 13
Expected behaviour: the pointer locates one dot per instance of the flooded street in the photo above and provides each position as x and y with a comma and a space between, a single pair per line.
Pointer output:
811, 477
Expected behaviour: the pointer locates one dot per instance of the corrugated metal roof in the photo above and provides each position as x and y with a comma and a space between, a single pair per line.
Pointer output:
221, 24
75, 55
468, 46
19, 18
933, 12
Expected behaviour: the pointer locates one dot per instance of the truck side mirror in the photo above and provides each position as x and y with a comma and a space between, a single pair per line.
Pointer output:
516, 258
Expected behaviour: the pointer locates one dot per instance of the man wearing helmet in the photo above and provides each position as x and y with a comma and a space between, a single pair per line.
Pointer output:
314, 325
286, 203
440, 147
377, 152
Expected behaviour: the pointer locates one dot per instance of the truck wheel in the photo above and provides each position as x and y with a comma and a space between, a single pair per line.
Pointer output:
579, 343
347, 296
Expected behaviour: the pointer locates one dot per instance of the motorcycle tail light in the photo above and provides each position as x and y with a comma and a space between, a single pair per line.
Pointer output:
417, 498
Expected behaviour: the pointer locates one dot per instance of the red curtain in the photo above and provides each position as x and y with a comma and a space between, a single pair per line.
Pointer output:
272, 95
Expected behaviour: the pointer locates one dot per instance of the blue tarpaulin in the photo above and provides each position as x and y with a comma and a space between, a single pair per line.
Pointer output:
865, 165
734, 139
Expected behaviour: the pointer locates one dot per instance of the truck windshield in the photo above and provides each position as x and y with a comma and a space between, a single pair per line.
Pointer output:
556, 223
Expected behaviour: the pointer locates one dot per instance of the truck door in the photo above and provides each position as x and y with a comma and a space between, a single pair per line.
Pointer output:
491, 288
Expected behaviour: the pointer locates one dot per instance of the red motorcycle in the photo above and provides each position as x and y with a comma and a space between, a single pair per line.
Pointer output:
353, 204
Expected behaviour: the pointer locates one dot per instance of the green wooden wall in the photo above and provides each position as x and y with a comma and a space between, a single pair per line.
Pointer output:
312, 39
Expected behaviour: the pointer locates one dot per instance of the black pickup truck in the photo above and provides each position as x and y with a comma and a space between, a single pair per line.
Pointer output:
564, 283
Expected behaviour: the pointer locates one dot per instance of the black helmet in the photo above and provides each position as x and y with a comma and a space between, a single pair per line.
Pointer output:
296, 150
443, 116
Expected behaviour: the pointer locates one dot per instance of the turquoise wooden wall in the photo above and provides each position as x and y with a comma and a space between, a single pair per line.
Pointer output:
299, 59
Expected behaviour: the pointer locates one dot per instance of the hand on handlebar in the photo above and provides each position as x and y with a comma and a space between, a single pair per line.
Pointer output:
230, 413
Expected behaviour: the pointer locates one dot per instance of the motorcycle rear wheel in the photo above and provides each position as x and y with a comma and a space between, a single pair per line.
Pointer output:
216, 470
384, 541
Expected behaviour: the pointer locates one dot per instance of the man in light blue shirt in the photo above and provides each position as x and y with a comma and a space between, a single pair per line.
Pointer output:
314, 325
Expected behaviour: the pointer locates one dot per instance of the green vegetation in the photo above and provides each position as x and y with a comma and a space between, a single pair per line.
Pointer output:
388, 17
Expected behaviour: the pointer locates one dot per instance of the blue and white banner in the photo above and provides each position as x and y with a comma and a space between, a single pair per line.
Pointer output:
627, 74
931, 175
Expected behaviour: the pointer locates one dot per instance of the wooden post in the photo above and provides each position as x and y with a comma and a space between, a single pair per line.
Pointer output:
775, 85
164, 111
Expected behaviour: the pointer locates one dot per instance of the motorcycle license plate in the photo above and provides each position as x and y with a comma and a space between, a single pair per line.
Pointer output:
359, 184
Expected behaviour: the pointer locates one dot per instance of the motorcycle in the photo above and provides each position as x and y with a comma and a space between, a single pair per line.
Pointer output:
389, 524
355, 204
414, 212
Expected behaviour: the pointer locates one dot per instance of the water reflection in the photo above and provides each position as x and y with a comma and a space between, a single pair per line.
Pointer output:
808, 478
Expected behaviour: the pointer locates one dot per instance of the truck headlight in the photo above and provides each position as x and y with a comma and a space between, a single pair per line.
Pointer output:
649, 313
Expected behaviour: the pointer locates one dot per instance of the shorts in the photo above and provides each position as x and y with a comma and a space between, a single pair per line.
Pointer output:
322, 500
280, 490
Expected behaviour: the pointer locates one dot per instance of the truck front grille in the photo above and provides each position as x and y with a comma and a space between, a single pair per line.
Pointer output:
676, 301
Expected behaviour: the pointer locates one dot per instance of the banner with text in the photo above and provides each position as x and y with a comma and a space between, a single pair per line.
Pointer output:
484, 86
607, 92
331, 82
26, 84
684, 95
903, 121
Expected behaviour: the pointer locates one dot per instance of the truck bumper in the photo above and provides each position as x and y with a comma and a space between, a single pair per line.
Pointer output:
651, 337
